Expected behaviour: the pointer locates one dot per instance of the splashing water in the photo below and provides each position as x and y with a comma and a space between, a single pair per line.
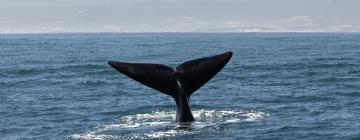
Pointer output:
161, 124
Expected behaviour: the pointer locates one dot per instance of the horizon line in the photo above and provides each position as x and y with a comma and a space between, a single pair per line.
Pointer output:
174, 32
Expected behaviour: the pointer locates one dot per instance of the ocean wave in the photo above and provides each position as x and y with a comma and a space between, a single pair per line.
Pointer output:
297, 66
85, 66
160, 124
34, 70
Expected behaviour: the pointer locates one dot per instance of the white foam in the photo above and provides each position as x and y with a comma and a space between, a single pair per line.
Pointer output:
253, 116
161, 124
92, 136
167, 133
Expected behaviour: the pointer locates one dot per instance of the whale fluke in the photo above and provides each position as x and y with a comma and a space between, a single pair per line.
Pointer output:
179, 83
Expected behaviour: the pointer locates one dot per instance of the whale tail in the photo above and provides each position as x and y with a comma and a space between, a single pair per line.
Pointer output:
180, 82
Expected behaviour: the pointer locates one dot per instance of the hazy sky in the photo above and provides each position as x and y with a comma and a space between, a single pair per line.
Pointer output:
179, 15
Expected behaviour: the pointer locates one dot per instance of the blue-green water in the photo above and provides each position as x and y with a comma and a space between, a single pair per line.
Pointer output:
276, 86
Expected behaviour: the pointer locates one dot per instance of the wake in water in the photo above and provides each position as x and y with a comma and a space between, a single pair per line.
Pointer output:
161, 124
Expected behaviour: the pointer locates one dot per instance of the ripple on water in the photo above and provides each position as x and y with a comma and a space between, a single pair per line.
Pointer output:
160, 124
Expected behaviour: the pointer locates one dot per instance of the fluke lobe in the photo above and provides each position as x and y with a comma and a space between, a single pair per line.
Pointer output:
180, 82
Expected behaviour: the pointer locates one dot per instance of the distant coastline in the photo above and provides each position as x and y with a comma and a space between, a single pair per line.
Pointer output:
290, 32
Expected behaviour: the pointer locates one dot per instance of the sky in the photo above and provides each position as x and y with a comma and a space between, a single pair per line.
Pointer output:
27, 16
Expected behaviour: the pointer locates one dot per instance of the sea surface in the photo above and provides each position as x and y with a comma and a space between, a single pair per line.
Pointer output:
276, 86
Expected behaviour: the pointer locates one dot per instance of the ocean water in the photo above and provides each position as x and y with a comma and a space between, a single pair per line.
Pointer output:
276, 86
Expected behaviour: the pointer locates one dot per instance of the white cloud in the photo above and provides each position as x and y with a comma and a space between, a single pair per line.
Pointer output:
7, 21
181, 23
77, 14
184, 23
179, 16
302, 18
344, 28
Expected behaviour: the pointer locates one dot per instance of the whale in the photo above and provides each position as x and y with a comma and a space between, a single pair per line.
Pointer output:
180, 82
